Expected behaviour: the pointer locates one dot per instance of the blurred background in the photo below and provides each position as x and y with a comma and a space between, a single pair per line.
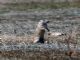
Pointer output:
18, 19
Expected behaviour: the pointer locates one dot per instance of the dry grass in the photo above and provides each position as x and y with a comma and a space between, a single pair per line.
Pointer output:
46, 55
41, 54
12, 39
70, 37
